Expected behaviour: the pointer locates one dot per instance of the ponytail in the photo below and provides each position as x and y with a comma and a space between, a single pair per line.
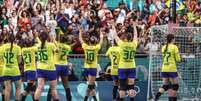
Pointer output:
11, 40
43, 38
170, 37
42, 44
166, 48
11, 47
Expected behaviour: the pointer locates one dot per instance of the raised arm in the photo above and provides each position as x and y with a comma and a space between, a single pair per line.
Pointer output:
135, 31
116, 37
101, 37
80, 35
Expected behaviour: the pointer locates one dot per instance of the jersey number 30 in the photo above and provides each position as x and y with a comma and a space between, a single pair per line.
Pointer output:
129, 54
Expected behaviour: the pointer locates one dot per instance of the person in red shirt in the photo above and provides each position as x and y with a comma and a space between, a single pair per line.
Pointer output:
24, 21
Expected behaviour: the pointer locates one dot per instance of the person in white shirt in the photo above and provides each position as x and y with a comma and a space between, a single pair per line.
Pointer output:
122, 14
52, 24
69, 9
152, 47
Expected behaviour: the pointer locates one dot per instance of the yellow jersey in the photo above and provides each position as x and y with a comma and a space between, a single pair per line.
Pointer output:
28, 54
46, 57
127, 54
10, 67
91, 55
62, 53
113, 53
170, 57
38, 42
1, 63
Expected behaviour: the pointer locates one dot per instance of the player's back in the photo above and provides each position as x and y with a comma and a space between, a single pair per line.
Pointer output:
91, 54
127, 54
28, 54
61, 54
46, 56
10, 58
170, 57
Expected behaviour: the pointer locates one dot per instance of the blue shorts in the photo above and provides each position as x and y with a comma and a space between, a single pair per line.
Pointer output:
90, 71
115, 77
62, 70
169, 74
30, 75
12, 78
127, 73
47, 74
1, 79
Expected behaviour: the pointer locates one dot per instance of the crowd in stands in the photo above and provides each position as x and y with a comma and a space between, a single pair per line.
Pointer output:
28, 18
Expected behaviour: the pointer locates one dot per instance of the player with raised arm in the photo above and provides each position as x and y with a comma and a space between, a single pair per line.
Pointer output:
28, 55
169, 74
46, 70
113, 53
126, 70
1, 69
91, 48
61, 64
11, 53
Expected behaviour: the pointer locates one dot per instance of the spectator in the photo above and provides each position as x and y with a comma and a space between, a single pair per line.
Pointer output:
152, 47
23, 20
122, 13
62, 19
52, 24
37, 20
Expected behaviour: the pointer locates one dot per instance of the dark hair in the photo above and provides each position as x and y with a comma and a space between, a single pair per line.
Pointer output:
43, 38
11, 39
64, 38
1, 39
169, 39
128, 36
93, 40
28, 43
24, 12
2, 9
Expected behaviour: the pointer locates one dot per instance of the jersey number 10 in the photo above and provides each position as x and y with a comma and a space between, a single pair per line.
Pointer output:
90, 56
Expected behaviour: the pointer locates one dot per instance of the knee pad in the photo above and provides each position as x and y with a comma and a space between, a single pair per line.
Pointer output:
29, 86
131, 87
123, 84
175, 87
91, 86
115, 87
3, 87
166, 87
33, 88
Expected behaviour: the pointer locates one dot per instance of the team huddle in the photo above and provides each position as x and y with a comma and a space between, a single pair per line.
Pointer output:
47, 60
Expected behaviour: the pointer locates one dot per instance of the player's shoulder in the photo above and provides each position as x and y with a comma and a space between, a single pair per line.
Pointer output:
135, 42
50, 44
115, 48
16, 46
84, 45
173, 46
